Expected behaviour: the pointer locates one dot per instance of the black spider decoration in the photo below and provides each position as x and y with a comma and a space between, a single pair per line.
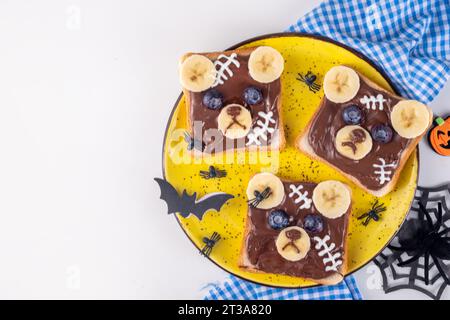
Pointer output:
209, 244
193, 143
212, 173
424, 238
259, 197
373, 213
310, 79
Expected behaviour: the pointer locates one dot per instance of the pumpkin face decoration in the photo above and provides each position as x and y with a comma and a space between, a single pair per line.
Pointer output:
439, 136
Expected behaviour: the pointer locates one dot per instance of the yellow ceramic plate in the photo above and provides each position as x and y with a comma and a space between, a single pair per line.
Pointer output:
302, 53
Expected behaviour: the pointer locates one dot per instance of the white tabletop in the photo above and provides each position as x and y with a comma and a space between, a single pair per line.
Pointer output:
86, 88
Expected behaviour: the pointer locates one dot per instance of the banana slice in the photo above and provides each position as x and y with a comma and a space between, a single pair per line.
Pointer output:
341, 84
331, 198
265, 190
234, 121
265, 64
410, 118
197, 73
293, 243
353, 142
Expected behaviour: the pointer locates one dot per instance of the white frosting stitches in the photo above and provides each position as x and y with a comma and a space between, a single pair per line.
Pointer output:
301, 196
331, 260
372, 102
383, 175
261, 129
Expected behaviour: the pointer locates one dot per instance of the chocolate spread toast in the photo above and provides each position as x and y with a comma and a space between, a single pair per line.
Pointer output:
234, 99
297, 228
364, 131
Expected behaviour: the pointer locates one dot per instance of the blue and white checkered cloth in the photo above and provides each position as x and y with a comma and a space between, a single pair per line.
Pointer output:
410, 40
234, 288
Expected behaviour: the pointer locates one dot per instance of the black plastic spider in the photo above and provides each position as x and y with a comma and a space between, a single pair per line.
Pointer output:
192, 143
420, 237
212, 173
259, 197
309, 79
209, 244
373, 213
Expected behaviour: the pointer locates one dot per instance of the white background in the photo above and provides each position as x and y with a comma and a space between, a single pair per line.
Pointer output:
86, 88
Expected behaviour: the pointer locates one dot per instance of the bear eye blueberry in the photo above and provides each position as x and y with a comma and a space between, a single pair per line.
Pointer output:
313, 223
382, 133
252, 95
213, 99
278, 219
352, 115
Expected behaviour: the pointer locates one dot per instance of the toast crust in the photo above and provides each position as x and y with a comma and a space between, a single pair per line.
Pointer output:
303, 145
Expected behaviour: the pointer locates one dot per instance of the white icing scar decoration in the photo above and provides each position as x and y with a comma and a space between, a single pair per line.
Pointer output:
333, 259
383, 174
224, 66
300, 196
261, 129
373, 102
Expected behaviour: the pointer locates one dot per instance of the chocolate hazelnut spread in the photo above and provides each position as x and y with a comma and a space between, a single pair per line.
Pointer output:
260, 242
232, 91
328, 121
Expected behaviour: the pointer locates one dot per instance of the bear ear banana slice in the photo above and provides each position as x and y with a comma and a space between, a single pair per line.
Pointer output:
341, 84
265, 191
410, 118
265, 64
197, 73
293, 243
332, 198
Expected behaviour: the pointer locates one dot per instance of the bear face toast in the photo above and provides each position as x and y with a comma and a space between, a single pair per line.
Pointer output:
233, 99
364, 131
297, 228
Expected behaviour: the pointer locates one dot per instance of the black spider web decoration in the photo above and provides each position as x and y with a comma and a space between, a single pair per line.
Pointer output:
413, 275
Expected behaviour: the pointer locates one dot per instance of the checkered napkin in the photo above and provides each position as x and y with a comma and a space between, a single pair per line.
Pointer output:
410, 40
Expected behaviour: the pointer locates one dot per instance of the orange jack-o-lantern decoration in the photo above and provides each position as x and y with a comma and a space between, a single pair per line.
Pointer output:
439, 136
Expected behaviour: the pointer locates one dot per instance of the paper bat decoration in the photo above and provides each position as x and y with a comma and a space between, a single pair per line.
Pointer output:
186, 204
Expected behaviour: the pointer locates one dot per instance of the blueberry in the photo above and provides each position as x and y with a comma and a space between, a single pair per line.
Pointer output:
352, 115
213, 99
252, 95
382, 133
313, 223
278, 219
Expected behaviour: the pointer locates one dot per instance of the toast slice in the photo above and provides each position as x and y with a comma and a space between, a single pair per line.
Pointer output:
378, 171
323, 250
259, 125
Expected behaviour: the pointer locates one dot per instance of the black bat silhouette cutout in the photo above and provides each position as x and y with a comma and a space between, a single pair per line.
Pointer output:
186, 204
